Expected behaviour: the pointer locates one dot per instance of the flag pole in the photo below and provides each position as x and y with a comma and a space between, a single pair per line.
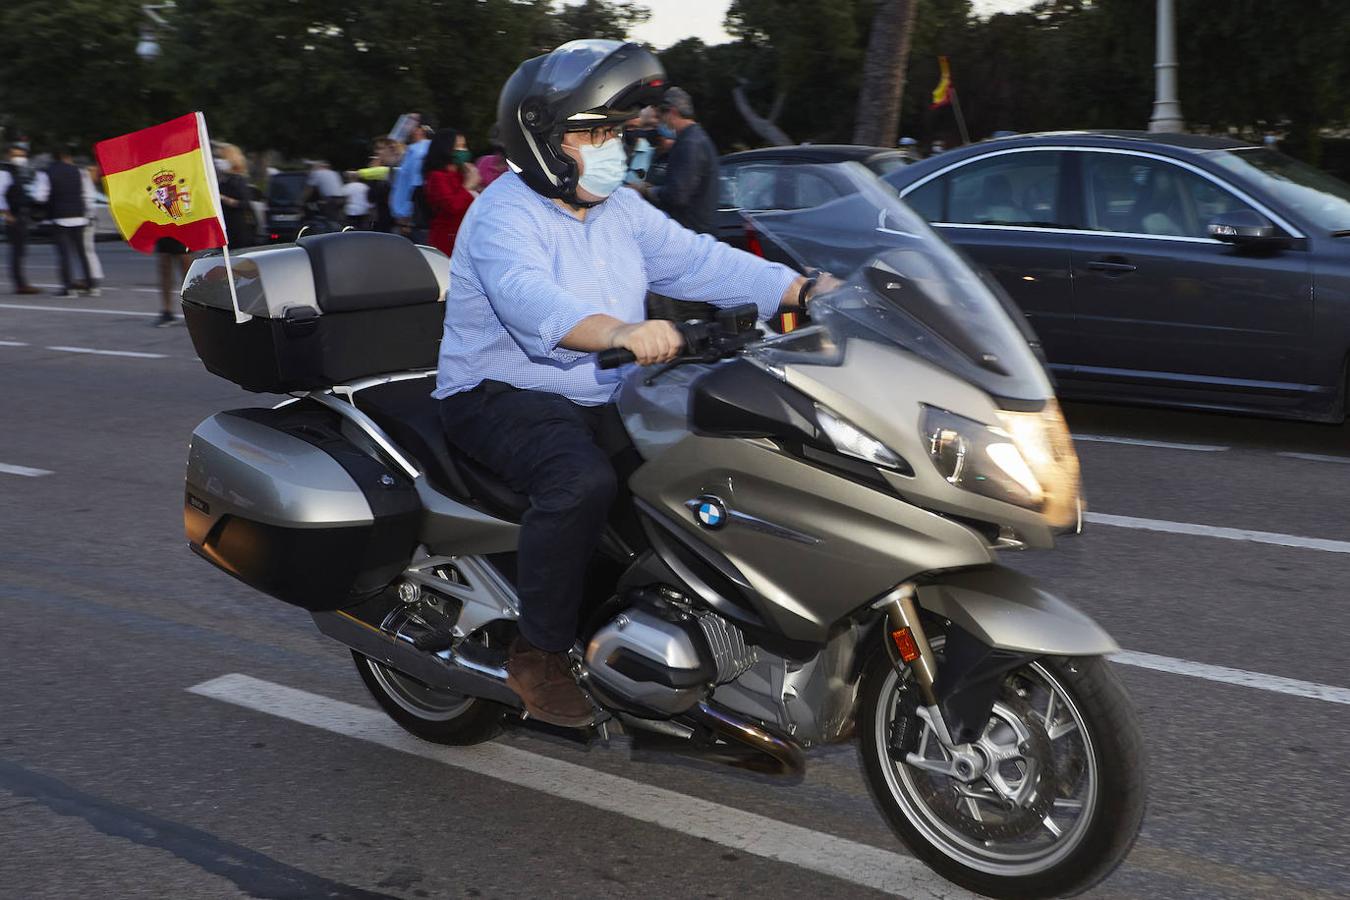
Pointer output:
204, 140
960, 119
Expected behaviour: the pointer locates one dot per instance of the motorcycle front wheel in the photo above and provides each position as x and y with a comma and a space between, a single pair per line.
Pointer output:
431, 714
1055, 795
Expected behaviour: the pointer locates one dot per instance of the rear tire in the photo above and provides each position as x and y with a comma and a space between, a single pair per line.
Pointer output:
1105, 713
433, 715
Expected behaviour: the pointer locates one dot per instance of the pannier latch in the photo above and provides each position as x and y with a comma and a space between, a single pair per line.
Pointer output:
299, 321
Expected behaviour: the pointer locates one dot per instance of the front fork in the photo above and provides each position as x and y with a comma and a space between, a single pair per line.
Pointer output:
907, 644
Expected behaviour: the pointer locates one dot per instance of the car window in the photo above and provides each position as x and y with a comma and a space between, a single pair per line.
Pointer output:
746, 186
761, 186
1138, 195
1007, 189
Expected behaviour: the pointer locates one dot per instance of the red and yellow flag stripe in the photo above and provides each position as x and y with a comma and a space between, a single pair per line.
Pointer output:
161, 183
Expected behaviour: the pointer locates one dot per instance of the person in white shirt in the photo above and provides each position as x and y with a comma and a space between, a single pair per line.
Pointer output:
357, 208
325, 186
68, 193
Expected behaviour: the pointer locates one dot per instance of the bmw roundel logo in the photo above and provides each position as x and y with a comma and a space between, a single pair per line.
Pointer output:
711, 512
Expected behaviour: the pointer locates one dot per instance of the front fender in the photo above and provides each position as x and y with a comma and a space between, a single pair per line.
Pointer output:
1005, 609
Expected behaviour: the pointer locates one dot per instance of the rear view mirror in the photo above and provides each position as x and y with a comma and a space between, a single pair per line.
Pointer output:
1246, 228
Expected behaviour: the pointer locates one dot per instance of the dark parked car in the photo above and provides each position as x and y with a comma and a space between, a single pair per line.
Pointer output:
286, 212
1169, 269
772, 178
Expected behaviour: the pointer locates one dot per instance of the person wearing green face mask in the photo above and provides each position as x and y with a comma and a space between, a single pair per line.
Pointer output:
448, 181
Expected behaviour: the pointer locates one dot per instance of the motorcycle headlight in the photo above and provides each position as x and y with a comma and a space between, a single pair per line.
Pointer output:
851, 440
1027, 459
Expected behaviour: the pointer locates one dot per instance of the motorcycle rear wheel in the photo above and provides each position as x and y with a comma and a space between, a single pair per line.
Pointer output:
434, 715
1096, 790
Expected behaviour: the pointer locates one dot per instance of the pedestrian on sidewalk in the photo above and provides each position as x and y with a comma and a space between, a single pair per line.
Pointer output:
173, 260
447, 178
405, 194
357, 209
236, 196
95, 264
16, 208
492, 165
67, 191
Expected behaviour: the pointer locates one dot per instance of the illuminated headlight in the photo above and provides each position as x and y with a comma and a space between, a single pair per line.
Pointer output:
1027, 459
851, 440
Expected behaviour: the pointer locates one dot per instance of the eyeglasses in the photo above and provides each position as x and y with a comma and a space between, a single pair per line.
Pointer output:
597, 136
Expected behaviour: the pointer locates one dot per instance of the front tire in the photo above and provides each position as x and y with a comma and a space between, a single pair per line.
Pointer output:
433, 715
1080, 768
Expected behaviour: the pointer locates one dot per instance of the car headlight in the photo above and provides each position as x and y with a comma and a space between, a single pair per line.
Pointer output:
1027, 459
851, 440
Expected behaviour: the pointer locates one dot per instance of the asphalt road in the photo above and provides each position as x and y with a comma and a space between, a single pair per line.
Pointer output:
117, 780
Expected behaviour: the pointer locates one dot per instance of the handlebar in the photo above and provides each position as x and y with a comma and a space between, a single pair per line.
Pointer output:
730, 331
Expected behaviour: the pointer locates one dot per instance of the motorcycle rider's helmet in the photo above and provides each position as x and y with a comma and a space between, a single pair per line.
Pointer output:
580, 86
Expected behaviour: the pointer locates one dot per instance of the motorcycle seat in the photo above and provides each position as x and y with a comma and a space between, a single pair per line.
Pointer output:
408, 414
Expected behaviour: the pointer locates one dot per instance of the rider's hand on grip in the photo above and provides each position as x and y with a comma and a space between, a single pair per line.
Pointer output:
652, 341
613, 358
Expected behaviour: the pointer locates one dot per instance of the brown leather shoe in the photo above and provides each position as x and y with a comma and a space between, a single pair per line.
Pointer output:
544, 681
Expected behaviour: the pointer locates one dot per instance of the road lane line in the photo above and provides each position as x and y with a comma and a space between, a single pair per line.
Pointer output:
134, 354
1310, 689
1315, 457
76, 309
1140, 442
847, 860
106, 287
1217, 531
24, 470
12, 344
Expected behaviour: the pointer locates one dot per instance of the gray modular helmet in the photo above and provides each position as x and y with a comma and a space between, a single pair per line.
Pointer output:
579, 86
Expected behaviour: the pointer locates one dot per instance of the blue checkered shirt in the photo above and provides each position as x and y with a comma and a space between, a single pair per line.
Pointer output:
525, 272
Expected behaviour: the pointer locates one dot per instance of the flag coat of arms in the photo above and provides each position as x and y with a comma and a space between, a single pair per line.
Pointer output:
161, 183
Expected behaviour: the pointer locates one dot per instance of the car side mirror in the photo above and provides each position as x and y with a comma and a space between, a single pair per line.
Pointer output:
1246, 228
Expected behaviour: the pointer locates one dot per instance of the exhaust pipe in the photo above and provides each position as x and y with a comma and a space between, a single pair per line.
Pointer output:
785, 751
460, 671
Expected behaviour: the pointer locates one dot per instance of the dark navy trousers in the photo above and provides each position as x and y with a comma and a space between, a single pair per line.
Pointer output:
550, 449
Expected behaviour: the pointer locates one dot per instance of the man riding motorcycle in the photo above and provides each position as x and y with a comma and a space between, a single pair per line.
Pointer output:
552, 265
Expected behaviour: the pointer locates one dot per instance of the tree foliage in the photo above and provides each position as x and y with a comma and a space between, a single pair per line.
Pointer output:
321, 77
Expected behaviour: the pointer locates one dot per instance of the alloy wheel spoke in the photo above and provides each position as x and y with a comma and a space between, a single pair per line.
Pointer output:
1051, 827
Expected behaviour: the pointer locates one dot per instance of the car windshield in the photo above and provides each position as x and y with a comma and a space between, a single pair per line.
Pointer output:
903, 285
286, 188
1321, 198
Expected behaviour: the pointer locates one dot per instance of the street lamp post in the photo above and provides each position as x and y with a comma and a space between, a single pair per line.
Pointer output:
1166, 106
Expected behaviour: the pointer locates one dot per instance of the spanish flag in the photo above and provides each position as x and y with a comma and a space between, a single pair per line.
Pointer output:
942, 94
161, 183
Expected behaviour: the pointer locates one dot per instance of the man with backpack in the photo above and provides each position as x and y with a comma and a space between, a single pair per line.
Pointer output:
16, 208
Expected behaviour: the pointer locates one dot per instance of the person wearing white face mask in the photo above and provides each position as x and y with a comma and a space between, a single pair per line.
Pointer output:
551, 265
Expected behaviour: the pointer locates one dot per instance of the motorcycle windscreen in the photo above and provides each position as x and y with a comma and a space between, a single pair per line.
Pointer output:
905, 285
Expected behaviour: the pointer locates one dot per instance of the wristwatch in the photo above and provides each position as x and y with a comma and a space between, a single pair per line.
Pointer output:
804, 295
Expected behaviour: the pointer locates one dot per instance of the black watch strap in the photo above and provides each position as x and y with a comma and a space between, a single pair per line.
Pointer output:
804, 294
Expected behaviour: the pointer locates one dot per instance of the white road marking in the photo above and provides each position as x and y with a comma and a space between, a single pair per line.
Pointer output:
135, 354
847, 860
1315, 457
75, 309
1242, 677
105, 286
24, 470
1140, 442
1217, 531
12, 344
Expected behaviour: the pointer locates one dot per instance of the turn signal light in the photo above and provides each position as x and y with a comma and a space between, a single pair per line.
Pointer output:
904, 642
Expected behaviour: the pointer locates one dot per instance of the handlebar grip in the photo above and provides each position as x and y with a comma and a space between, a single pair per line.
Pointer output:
614, 357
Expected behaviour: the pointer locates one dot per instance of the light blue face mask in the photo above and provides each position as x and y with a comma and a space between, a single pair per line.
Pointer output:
603, 167
666, 131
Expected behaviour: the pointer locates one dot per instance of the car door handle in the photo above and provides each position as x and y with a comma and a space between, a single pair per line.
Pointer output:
1114, 265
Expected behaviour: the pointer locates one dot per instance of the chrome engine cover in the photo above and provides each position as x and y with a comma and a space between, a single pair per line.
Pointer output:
653, 658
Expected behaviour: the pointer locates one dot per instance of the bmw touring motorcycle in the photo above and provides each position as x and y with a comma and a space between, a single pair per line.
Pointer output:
807, 551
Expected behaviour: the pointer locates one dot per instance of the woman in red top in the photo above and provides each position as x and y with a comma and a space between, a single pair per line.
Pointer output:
446, 187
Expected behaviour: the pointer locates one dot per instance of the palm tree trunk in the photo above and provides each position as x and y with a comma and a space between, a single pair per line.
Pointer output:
883, 83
